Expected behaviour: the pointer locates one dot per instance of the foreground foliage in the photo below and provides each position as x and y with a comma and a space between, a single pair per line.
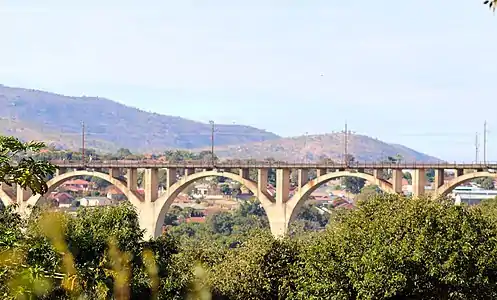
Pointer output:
389, 247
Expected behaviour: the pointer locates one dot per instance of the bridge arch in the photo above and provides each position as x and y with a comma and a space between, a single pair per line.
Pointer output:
298, 199
59, 180
447, 188
5, 198
164, 202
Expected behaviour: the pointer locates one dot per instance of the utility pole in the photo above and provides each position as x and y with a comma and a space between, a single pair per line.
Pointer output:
83, 142
305, 145
485, 142
476, 148
212, 142
345, 145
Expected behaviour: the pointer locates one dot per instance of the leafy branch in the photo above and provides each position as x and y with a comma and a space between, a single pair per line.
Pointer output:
18, 167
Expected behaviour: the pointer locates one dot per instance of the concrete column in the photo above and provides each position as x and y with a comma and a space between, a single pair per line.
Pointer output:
340, 170
171, 174
114, 172
189, 171
151, 183
377, 173
282, 185
418, 182
60, 171
22, 194
244, 173
458, 172
321, 172
132, 179
397, 176
303, 177
262, 175
439, 178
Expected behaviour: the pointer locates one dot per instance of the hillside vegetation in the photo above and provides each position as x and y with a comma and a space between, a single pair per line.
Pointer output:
56, 119
316, 147
47, 115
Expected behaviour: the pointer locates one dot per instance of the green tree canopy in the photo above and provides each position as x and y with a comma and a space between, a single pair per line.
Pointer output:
17, 166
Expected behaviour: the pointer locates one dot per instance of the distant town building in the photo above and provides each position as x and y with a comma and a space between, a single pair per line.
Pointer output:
96, 201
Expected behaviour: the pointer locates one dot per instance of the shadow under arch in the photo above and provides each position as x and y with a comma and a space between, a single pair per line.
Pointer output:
298, 199
446, 188
57, 181
164, 202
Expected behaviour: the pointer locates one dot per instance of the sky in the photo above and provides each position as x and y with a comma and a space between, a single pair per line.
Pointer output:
418, 73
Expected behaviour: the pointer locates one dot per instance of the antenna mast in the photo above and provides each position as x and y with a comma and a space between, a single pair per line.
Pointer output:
476, 148
485, 142
345, 145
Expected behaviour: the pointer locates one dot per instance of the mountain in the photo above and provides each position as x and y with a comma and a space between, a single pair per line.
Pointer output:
314, 147
32, 114
56, 119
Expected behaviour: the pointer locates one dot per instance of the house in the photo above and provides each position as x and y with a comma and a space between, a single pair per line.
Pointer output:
61, 199
114, 193
201, 190
95, 201
77, 184
320, 197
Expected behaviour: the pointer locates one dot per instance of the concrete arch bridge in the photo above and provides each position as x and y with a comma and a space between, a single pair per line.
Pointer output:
281, 209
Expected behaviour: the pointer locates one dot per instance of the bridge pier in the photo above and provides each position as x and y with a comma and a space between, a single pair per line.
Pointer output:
303, 177
22, 196
60, 171
321, 172
397, 176
151, 184
262, 181
279, 213
418, 182
114, 172
189, 171
244, 173
132, 179
171, 176
439, 179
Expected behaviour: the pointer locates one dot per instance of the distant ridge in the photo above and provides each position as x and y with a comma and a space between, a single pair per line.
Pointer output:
315, 147
55, 119
112, 123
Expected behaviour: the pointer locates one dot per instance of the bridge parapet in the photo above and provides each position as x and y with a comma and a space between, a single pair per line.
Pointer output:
144, 164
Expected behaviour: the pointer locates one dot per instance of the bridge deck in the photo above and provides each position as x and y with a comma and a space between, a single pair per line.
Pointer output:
289, 165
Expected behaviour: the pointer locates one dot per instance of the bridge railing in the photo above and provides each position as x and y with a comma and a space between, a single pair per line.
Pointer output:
269, 164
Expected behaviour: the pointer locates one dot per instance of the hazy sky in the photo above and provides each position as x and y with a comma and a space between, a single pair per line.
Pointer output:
421, 73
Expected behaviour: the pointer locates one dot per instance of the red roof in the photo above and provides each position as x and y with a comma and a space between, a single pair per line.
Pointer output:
76, 182
114, 190
72, 188
195, 220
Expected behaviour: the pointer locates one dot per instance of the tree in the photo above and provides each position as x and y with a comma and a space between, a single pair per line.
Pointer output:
122, 153
407, 176
257, 269
353, 184
486, 183
17, 166
391, 247
368, 191
430, 175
